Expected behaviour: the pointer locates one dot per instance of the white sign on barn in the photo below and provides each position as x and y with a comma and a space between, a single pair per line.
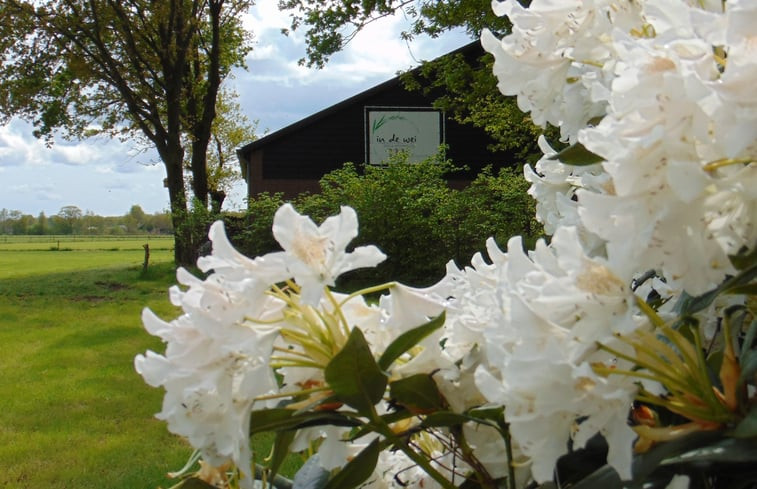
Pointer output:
389, 130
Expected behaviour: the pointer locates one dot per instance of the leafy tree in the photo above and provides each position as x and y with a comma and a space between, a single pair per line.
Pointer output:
91, 223
231, 129
466, 90
125, 68
69, 217
40, 226
135, 219
330, 25
463, 86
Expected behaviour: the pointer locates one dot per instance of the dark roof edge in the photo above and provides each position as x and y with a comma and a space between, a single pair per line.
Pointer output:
244, 150
317, 116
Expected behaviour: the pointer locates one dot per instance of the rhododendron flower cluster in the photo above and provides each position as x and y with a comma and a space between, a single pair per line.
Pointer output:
661, 90
640, 300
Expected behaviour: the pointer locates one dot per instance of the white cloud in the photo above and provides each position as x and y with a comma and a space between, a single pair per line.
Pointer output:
375, 52
79, 153
19, 147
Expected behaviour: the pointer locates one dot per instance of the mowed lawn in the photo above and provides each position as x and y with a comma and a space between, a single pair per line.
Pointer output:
73, 412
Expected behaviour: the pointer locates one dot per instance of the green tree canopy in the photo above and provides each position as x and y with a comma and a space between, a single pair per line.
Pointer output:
231, 129
126, 68
330, 25
463, 86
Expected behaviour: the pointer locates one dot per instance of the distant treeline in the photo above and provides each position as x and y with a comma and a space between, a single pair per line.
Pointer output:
71, 220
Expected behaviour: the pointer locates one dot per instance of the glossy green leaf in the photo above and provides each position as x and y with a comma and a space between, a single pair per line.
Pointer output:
396, 416
271, 420
603, 478
408, 340
354, 375
491, 416
280, 450
748, 358
746, 289
577, 155
444, 418
688, 305
278, 419
729, 450
646, 464
357, 470
744, 260
496, 414
747, 427
417, 393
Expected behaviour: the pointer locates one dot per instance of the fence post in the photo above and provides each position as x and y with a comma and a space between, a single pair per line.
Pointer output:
146, 246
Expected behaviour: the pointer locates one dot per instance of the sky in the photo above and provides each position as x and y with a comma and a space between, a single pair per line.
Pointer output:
108, 177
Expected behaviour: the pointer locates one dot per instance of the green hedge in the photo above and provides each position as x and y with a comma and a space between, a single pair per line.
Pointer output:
410, 212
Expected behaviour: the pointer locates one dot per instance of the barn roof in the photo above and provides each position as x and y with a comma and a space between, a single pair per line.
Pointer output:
468, 49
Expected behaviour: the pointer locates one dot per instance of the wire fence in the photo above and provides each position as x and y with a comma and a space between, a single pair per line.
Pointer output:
84, 242
54, 238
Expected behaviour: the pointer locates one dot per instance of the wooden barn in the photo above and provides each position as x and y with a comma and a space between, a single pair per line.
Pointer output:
364, 129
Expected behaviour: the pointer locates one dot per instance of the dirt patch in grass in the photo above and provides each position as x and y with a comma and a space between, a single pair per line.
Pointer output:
89, 298
111, 286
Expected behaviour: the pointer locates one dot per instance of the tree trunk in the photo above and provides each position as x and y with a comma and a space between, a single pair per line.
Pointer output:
203, 127
217, 196
184, 252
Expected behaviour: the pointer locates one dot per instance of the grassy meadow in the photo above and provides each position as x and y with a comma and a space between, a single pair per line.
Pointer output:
73, 412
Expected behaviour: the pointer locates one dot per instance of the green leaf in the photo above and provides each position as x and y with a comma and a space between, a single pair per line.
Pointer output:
748, 358
357, 470
729, 450
747, 427
271, 420
646, 464
444, 418
279, 419
577, 155
354, 376
688, 305
746, 289
496, 414
603, 478
408, 340
417, 393
390, 418
487, 415
280, 451
744, 260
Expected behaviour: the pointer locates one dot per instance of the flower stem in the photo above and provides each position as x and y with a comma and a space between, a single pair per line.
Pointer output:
369, 290
384, 429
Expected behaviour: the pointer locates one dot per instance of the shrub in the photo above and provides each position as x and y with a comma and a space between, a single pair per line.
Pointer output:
252, 234
410, 212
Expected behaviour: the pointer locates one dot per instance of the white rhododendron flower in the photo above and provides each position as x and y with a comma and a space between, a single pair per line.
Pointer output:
541, 351
678, 128
559, 57
542, 316
316, 255
215, 364
395, 470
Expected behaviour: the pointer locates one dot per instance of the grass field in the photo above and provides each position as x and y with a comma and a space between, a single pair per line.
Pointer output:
22, 256
78, 243
73, 412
